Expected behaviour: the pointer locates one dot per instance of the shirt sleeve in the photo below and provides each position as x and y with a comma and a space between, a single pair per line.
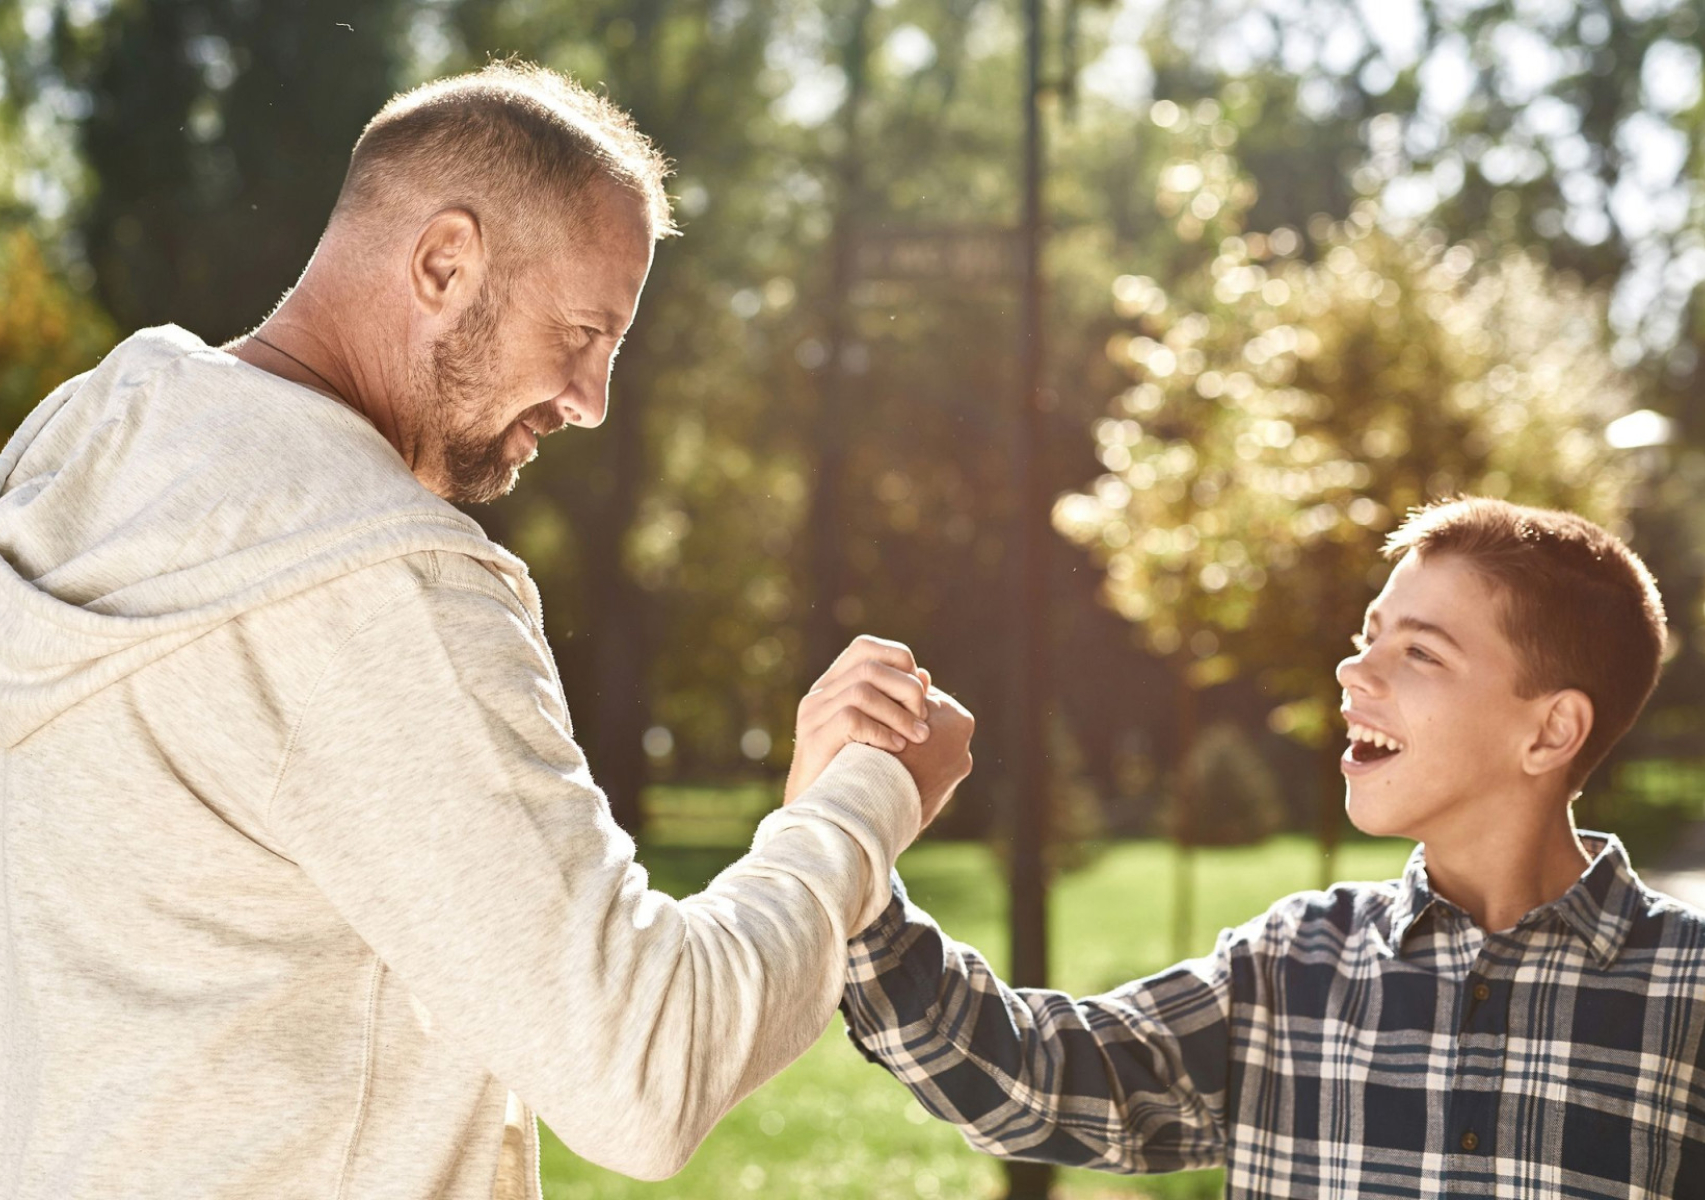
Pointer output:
434, 793
1131, 1081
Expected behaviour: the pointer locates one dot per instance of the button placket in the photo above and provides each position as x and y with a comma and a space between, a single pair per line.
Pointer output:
1482, 1033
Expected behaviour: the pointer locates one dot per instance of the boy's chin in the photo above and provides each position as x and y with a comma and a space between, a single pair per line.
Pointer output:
1374, 815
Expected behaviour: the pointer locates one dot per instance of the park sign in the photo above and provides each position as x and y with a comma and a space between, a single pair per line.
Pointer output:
951, 254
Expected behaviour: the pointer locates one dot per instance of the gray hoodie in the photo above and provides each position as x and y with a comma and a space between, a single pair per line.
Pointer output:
305, 889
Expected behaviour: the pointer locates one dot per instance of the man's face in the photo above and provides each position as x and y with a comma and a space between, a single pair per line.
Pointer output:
1435, 677
508, 374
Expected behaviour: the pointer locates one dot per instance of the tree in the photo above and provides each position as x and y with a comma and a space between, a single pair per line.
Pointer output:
684, 452
217, 132
1279, 425
48, 330
1237, 797
1573, 129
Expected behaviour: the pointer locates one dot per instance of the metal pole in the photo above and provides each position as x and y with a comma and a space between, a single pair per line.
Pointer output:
1030, 1181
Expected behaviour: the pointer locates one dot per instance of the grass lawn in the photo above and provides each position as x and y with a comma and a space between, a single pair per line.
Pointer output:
833, 1127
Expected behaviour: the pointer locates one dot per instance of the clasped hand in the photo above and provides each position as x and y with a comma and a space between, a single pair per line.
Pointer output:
876, 693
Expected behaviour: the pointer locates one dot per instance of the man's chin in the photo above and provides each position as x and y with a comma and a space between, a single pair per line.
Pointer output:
492, 471
485, 488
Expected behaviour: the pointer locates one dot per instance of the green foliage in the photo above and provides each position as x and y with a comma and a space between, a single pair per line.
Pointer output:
1644, 802
1234, 792
1280, 424
674, 545
48, 330
715, 818
217, 132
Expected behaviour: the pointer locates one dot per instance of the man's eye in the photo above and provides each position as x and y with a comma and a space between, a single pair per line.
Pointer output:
1421, 655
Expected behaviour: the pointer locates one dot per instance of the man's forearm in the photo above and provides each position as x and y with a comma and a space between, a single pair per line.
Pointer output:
454, 826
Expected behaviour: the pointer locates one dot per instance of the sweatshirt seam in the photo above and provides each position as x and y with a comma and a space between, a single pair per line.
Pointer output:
314, 694
378, 611
496, 590
318, 547
364, 1096
369, 1043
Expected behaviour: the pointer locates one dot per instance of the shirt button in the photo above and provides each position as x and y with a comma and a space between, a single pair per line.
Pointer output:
1470, 1142
1482, 992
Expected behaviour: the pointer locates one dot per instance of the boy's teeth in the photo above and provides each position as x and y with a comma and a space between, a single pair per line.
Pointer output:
1361, 733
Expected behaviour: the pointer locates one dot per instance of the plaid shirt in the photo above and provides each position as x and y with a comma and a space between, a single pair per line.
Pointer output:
1365, 1041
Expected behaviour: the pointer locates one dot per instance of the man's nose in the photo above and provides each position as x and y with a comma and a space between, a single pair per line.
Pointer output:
586, 401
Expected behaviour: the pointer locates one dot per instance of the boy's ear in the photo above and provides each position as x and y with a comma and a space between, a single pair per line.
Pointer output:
1566, 718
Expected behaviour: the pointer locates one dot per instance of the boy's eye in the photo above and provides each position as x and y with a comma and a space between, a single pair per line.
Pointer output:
1421, 655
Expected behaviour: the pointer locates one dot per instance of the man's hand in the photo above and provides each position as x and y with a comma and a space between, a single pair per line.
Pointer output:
941, 764
873, 693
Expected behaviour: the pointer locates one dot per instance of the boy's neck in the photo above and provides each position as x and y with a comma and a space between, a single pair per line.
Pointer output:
1504, 869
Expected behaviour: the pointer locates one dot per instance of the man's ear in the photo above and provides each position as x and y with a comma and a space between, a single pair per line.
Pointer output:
1566, 719
447, 265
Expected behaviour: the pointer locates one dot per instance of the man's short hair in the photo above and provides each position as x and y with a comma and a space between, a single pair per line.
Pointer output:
516, 145
1578, 606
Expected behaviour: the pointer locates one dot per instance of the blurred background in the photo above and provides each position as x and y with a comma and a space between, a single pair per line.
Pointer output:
1298, 266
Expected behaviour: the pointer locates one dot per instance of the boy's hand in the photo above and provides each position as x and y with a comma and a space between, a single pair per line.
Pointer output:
873, 693
942, 763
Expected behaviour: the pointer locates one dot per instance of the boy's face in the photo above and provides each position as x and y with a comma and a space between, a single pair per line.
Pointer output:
1434, 676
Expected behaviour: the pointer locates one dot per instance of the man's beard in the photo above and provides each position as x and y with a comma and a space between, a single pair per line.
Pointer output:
458, 389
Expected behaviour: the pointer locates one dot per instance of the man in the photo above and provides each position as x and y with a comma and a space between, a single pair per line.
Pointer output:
305, 889
1517, 1016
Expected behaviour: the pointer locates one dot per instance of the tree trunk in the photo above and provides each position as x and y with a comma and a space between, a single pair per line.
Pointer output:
824, 632
620, 642
1184, 825
1331, 824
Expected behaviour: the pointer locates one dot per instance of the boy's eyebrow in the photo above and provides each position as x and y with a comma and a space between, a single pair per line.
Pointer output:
1416, 625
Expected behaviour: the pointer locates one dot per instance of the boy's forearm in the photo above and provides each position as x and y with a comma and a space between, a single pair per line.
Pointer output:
1023, 1073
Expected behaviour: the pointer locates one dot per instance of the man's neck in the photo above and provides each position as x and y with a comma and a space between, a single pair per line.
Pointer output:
1501, 870
302, 341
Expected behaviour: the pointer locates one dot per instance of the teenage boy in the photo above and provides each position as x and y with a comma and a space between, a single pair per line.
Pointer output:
1518, 1016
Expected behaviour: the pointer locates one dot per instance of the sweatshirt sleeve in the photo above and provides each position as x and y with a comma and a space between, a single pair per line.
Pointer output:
434, 793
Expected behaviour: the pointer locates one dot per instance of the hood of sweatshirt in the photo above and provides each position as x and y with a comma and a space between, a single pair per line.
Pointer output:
173, 488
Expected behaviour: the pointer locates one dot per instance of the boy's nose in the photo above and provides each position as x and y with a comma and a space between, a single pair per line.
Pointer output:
1354, 674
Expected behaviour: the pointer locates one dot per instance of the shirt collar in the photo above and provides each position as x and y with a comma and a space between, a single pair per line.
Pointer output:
1603, 903
1599, 907
1414, 897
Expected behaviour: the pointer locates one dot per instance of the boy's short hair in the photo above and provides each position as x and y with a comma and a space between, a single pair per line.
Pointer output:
1578, 606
